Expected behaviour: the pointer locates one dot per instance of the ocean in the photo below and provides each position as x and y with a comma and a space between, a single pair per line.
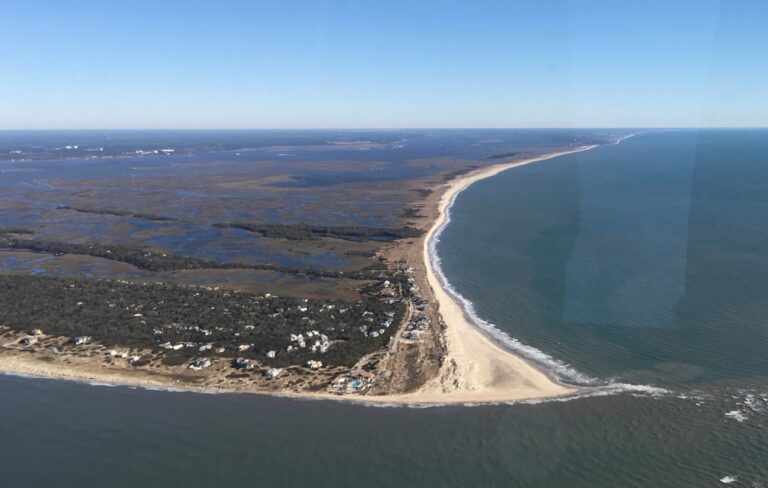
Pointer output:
637, 270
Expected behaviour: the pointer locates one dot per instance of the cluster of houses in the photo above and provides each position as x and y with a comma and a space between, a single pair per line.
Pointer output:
148, 152
132, 358
355, 381
322, 318
248, 364
375, 330
419, 323
313, 340
200, 347
317, 342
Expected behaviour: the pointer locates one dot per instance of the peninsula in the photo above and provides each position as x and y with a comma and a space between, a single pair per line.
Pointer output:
396, 336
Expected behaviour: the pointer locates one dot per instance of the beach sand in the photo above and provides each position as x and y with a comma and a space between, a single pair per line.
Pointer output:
475, 369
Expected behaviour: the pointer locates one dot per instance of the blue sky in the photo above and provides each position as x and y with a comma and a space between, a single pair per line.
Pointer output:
372, 64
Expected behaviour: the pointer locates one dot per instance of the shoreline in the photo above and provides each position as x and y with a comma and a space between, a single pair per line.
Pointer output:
476, 369
481, 369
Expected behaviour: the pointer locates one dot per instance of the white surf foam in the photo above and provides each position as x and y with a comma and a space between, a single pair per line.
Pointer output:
82, 381
558, 369
752, 404
737, 415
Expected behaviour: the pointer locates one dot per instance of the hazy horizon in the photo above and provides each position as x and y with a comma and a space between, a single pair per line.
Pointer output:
370, 129
340, 65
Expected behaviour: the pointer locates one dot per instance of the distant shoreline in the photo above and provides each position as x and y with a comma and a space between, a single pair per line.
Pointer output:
475, 369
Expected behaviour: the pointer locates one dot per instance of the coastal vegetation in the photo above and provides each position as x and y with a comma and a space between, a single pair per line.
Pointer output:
459, 172
503, 155
15, 230
185, 322
147, 259
121, 213
279, 231
312, 232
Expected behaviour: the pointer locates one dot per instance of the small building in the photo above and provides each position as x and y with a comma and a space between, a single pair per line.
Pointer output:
360, 380
272, 372
312, 364
271, 354
28, 341
199, 364
241, 363
81, 340
354, 382
387, 292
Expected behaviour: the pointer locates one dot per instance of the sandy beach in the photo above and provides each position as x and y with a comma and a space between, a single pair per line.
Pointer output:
475, 368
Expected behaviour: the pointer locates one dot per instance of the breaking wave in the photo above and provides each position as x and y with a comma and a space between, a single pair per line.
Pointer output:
559, 370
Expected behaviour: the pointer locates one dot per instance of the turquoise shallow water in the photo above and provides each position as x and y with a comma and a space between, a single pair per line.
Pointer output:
641, 262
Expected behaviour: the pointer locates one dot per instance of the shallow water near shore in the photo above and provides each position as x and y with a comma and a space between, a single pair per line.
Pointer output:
57, 433
638, 263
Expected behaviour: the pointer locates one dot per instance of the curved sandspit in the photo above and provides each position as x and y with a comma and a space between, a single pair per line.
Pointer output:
476, 368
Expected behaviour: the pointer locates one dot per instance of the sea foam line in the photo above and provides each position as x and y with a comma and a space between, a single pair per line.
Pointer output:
558, 369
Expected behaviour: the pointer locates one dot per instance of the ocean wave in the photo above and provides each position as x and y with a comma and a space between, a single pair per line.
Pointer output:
83, 381
737, 415
592, 392
559, 370
749, 403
